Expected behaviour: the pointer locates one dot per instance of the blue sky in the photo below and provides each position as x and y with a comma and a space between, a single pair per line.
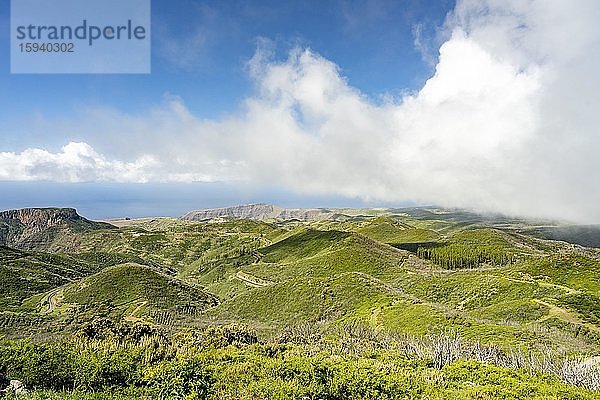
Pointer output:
490, 105
200, 51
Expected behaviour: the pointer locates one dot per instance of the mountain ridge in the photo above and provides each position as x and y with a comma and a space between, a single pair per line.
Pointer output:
33, 228
260, 212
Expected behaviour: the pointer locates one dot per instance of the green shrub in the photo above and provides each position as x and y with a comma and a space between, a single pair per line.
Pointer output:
44, 365
180, 379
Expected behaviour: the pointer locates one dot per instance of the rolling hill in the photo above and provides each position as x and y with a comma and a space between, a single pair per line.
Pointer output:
137, 292
24, 273
370, 278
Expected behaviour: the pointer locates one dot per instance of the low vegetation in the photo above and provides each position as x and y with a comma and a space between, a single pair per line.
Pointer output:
376, 304
111, 361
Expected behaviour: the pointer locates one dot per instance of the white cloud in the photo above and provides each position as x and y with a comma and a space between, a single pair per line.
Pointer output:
508, 123
77, 162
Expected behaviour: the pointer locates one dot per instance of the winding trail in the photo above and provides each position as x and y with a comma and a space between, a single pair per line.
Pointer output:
51, 302
252, 280
564, 315
544, 284
131, 317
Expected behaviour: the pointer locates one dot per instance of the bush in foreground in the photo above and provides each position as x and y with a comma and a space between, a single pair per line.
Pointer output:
226, 363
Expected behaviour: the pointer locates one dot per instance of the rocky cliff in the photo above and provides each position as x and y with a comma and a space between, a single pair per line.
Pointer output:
36, 228
262, 212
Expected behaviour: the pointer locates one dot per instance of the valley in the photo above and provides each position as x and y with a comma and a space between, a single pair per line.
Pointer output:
335, 284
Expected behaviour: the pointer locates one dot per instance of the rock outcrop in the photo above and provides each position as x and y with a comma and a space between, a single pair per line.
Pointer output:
15, 386
35, 228
261, 212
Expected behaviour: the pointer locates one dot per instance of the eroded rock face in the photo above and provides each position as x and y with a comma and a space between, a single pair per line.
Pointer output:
41, 218
260, 212
34, 228
250, 211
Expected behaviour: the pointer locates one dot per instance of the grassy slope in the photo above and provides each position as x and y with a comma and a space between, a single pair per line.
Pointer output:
392, 231
271, 278
135, 290
24, 274
335, 276
182, 246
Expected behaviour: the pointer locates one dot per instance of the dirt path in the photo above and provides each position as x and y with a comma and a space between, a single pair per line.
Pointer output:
564, 315
545, 284
252, 280
389, 288
554, 311
456, 310
51, 302
131, 317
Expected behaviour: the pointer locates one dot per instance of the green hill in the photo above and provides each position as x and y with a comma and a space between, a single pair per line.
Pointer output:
24, 274
182, 246
306, 243
135, 292
333, 276
392, 231
347, 288
306, 253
